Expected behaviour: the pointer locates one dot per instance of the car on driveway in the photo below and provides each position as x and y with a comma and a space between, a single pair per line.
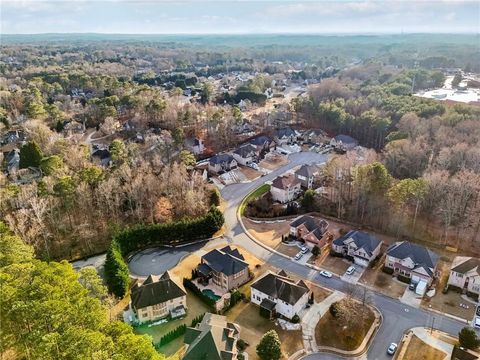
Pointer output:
412, 286
326, 274
392, 348
304, 250
350, 270
298, 256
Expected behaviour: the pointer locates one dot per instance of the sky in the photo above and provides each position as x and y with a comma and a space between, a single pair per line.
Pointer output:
238, 16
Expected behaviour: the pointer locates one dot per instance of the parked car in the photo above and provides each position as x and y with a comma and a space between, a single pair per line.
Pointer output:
350, 270
298, 256
392, 348
304, 250
253, 166
412, 286
326, 274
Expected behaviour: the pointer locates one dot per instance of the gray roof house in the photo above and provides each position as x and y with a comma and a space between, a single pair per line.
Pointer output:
225, 267
280, 294
362, 246
157, 297
213, 338
195, 145
102, 157
343, 141
309, 229
306, 174
245, 154
412, 260
261, 142
286, 135
465, 274
221, 162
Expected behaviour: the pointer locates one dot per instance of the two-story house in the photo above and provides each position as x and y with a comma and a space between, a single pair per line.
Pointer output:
261, 143
309, 229
213, 338
413, 261
285, 188
225, 267
279, 294
465, 274
158, 297
286, 135
344, 142
307, 174
245, 154
359, 245
194, 145
221, 162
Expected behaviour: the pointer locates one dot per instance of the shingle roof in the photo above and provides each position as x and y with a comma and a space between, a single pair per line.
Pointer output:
311, 223
153, 292
221, 158
213, 339
307, 171
345, 139
101, 153
281, 287
192, 142
420, 255
246, 150
283, 182
227, 260
260, 140
463, 264
362, 240
285, 132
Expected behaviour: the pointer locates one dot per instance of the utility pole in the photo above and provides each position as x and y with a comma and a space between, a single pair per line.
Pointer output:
433, 322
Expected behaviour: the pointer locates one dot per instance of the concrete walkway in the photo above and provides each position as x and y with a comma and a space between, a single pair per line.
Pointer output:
433, 340
311, 318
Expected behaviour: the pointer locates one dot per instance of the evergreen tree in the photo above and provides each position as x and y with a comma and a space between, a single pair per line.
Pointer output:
269, 347
30, 155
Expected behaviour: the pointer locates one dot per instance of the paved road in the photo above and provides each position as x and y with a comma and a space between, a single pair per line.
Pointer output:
397, 317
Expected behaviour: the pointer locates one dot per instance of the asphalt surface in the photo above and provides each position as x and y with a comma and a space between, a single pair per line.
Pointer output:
397, 317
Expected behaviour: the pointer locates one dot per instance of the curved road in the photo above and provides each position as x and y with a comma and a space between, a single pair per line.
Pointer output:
397, 317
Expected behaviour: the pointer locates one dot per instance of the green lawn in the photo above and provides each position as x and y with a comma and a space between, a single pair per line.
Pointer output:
254, 195
195, 308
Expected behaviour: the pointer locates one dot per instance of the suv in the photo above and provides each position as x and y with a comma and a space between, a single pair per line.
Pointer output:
350, 270
298, 256
304, 250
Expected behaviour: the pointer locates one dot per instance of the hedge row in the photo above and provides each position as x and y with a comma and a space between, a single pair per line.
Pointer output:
171, 335
142, 236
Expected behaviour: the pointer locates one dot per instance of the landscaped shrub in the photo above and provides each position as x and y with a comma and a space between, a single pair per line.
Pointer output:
241, 344
387, 270
295, 319
403, 279
172, 335
333, 309
214, 197
197, 320
141, 236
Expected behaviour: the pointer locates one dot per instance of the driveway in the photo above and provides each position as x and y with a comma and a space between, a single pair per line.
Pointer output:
353, 279
158, 260
411, 298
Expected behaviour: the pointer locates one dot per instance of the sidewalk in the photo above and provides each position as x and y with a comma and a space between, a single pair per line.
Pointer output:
311, 318
433, 340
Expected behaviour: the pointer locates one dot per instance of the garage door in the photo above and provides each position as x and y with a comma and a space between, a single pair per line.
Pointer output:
415, 279
360, 261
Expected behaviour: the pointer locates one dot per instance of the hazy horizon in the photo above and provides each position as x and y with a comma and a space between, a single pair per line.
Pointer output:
240, 17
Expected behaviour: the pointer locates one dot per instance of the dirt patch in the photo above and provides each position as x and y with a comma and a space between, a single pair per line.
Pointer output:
268, 233
336, 265
273, 162
249, 173
345, 334
418, 350
253, 326
382, 282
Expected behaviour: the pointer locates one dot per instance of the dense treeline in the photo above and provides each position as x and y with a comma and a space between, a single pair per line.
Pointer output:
142, 236
49, 311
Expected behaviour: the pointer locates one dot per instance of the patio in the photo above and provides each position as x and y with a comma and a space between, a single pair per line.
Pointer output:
210, 286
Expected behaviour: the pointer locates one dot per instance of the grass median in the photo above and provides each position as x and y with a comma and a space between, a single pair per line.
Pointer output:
253, 196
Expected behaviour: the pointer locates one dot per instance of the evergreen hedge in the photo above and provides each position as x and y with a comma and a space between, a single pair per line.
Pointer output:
172, 335
141, 236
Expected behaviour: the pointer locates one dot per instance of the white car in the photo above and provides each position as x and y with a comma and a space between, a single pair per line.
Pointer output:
253, 166
304, 250
326, 274
298, 256
392, 348
350, 270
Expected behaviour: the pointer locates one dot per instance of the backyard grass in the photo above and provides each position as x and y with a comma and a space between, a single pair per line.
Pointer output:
332, 332
418, 350
253, 326
195, 307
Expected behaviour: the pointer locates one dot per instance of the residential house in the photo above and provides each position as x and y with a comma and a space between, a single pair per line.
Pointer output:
262, 143
73, 127
344, 142
245, 154
309, 229
412, 261
285, 188
465, 274
226, 268
243, 128
158, 297
306, 175
315, 136
102, 157
286, 135
214, 338
221, 162
361, 246
12, 136
279, 294
195, 145
12, 160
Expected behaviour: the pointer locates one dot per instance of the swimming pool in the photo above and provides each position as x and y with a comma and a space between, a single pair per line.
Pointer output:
211, 294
